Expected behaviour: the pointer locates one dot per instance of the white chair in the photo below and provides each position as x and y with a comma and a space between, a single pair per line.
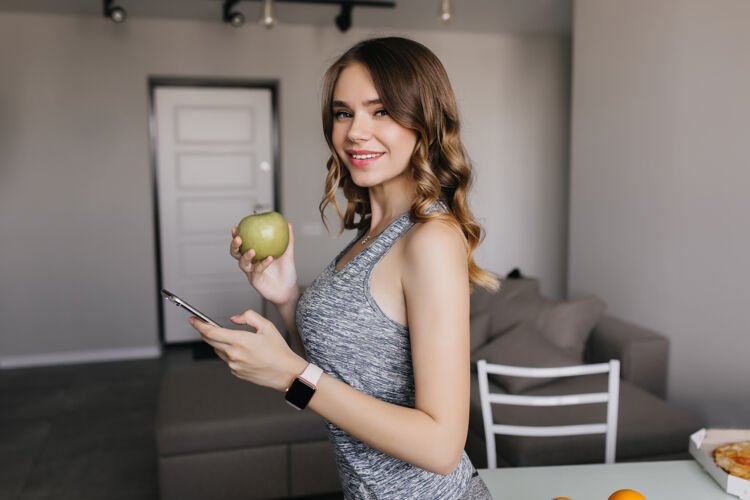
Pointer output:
611, 397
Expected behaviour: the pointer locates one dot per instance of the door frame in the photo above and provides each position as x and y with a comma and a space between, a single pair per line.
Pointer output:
169, 81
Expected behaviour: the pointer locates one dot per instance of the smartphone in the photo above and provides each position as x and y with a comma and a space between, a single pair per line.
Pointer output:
174, 299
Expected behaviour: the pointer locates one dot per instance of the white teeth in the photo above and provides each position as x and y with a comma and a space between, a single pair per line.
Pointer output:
365, 157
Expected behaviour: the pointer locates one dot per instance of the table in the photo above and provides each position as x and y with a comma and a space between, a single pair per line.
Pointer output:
668, 480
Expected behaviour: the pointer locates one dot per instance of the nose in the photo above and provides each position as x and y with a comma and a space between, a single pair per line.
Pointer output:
360, 128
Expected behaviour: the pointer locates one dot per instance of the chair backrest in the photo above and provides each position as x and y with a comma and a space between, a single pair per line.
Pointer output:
611, 397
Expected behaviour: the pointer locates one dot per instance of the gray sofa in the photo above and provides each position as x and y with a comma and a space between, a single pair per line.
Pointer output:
220, 437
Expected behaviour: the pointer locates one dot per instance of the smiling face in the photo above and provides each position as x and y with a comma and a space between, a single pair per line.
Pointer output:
373, 147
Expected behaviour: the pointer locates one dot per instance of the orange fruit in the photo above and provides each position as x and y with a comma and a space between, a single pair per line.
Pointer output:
561, 498
626, 495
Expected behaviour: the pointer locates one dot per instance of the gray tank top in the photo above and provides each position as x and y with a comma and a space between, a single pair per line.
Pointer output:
345, 333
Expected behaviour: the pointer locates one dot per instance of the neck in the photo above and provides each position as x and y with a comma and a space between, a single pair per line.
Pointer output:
387, 203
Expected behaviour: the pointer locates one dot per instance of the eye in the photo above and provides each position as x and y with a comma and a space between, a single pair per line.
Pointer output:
381, 112
341, 114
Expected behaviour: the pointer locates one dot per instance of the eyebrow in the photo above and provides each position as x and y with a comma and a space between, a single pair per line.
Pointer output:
343, 104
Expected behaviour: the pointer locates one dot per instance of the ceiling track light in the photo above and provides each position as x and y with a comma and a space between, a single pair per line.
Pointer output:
234, 18
114, 12
446, 11
343, 21
268, 15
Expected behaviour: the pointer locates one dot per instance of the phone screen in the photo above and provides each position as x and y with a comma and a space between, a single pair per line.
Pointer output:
174, 299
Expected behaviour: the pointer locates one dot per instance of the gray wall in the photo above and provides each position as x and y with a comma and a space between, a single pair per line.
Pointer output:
77, 260
660, 184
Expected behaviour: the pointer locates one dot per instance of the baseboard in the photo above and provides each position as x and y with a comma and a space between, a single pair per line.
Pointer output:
75, 357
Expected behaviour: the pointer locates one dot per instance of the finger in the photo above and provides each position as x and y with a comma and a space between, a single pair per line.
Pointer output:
198, 324
234, 247
234, 231
263, 264
246, 261
213, 343
218, 346
241, 322
237, 320
250, 254
212, 333
250, 318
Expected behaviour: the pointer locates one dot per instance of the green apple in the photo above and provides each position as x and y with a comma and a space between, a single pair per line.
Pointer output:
267, 233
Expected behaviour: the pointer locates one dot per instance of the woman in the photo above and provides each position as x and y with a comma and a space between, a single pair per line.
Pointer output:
384, 329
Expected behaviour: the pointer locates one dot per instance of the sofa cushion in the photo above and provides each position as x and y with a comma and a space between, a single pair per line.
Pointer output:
205, 408
517, 300
647, 426
568, 324
523, 345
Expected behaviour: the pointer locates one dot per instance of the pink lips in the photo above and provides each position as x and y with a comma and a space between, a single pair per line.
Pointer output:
362, 162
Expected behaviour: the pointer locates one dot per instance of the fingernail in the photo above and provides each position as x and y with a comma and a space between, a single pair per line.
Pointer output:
190, 320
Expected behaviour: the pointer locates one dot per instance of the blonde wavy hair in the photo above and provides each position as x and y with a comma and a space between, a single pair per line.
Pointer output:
415, 90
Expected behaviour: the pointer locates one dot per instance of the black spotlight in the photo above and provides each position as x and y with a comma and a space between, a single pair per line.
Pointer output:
114, 12
344, 19
235, 18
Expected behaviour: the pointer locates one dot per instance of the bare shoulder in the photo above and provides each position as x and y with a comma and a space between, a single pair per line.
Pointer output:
433, 237
434, 246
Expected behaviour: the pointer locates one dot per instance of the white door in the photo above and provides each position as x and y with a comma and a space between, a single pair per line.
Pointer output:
214, 165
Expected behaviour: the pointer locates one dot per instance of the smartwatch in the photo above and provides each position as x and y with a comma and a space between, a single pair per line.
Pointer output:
301, 391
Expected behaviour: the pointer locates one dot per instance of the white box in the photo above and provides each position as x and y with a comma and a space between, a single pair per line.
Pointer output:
702, 446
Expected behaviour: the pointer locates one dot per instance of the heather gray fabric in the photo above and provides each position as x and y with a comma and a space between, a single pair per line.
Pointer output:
523, 345
477, 489
346, 334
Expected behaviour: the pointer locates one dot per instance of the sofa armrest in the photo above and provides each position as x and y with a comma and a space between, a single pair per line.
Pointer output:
643, 353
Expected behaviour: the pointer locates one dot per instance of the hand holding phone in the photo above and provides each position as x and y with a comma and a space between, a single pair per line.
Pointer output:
174, 299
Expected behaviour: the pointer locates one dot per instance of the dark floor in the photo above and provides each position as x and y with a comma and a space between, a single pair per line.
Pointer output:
83, 431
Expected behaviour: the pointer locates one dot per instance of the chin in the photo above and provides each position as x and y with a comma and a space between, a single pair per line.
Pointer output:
359, 178
363, 183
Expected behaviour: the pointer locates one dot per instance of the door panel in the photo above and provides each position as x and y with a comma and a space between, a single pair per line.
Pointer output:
228, 125
214, 165
227, 170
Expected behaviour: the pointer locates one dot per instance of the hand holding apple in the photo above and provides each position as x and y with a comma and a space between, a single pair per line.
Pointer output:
275, 276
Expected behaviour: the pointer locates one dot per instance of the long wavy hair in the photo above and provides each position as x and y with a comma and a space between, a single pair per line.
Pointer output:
416, 92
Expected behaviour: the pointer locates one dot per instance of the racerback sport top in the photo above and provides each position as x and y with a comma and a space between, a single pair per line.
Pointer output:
345, 333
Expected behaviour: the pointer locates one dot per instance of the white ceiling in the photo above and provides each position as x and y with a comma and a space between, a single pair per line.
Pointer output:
506, 16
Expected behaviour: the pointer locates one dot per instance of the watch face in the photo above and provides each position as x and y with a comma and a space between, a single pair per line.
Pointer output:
299, 393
